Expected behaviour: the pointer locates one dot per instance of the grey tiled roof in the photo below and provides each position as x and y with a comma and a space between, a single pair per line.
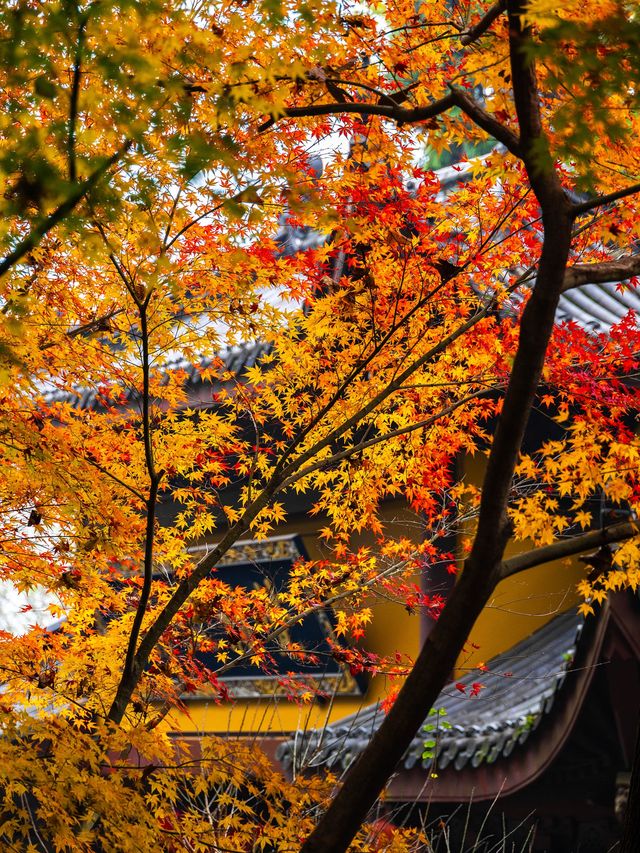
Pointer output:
520, 688
594, 306
598, 306
235, 360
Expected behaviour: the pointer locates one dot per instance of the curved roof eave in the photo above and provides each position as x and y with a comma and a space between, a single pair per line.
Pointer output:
499, 741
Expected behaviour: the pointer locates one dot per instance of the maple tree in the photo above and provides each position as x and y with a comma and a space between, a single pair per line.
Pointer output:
149, 150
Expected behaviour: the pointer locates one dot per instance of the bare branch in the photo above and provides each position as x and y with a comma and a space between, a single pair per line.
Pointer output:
73, 106
613, 271
396, 113
602, 200
569, 547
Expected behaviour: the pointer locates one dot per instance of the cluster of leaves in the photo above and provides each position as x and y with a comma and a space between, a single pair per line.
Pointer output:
590, 51
432, 730
218, 794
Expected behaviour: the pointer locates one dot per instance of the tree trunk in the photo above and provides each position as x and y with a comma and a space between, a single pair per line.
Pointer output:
369, 775
631, 830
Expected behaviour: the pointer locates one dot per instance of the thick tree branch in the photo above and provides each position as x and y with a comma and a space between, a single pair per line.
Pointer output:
390, 111
537, 320
603, 200
61, 212
523, 75
456, 98
533, 141
597, 273
480, 28
486, 121
393, 99
569, 547
368, 776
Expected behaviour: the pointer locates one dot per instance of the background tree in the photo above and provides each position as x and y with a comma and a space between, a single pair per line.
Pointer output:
149, 150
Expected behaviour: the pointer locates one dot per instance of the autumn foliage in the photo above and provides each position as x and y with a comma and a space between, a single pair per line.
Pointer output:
150, 152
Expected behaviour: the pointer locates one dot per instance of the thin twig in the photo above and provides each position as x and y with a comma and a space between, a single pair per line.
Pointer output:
86, 328
154, 483
117, 480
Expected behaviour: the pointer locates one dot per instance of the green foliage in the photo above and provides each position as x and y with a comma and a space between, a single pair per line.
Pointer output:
433, 729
